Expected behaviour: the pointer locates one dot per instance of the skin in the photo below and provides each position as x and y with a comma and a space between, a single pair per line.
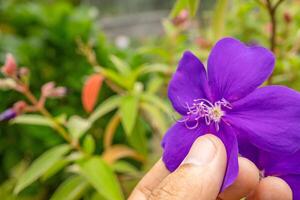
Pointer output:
201, 174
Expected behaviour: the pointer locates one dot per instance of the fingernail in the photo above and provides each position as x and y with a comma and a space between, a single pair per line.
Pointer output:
202, 152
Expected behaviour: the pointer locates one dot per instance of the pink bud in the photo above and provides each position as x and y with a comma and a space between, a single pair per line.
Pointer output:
182, 19
47, 89
19, 107
24, 71
59, 92
10, 66
202, 42
287, 17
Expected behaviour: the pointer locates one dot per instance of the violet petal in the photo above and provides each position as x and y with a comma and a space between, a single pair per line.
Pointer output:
177, 143
248, 150
189, 82
269, 118
280, 164
235, 70
229, 139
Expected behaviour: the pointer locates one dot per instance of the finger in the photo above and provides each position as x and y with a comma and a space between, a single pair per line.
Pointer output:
150, 181
272, 188
245, 183
199, 176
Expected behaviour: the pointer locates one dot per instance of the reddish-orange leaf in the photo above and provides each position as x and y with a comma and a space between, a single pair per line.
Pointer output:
91, 91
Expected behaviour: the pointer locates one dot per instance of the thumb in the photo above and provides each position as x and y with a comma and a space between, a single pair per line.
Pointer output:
199, 176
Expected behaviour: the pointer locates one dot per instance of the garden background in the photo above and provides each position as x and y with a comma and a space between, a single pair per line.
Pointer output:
115, 58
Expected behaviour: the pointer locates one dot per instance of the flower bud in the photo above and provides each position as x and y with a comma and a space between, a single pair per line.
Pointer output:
24, 71
181, 18
59, 92
49, 90
10, 66
20, 107
8, 115
7, 84
203, 43
287, 17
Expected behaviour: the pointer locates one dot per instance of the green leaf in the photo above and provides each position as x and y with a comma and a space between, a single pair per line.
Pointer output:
150, 68
156, 117
40, 166
107, 106
157, 101
120, 65
154, 84
137, 138
193, 6
62, 118
169, 28
128, 112
57, 166
102, 178
33, 119
89, 144
178, 6
117, 78
124, 167
97, 196
219, 18
71, 189
77, 126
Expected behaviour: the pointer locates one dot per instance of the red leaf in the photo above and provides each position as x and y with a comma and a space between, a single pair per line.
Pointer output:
91, 91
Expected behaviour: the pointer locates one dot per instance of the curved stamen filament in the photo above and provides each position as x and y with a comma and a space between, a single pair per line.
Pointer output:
203, 108
191, 127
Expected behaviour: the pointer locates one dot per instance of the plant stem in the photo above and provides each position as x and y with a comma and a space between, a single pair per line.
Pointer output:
272, 13
61, 130
273, 37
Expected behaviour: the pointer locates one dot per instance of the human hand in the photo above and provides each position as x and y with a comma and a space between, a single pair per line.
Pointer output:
200, 177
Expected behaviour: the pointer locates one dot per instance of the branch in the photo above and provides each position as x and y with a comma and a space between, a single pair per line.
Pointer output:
272, 13
60, 129
277, 4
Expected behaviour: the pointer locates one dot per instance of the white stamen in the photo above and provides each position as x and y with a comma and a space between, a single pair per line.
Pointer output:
202, 108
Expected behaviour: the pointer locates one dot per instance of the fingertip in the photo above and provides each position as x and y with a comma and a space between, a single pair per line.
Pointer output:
246, 182
273, 188
249, 173
200, 174
207, 149
219, 145
155, 175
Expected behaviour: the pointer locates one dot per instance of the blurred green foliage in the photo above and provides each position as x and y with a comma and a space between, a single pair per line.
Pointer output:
120, 139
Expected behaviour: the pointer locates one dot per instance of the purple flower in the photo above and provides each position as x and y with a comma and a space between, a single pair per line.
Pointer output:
8, 115
285, 166
225, 101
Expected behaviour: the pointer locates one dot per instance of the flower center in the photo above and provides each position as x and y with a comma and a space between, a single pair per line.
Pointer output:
202, 108
216, 113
